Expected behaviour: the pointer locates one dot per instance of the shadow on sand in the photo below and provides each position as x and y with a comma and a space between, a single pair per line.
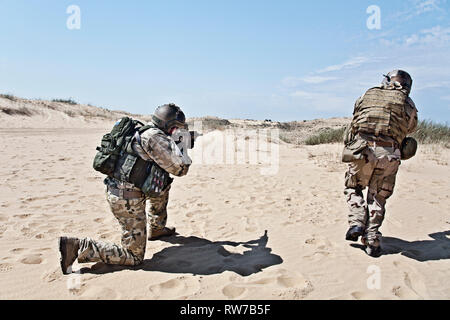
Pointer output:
421, 250
200, 256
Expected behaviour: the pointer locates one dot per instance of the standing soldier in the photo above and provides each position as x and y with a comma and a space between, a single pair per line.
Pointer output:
375, 143
138, 160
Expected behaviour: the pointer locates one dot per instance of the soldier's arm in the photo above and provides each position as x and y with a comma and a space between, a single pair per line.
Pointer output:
164, 151
411, 113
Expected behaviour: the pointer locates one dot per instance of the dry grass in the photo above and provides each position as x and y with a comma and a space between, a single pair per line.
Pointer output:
8, 96
67, 101
22, 111
212, 123
430, 132
326, 136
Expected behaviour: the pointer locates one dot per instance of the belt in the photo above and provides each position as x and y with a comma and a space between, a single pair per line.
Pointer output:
382, 144
125, 194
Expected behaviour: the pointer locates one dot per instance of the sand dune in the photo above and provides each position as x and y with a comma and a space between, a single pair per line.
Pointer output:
241, 234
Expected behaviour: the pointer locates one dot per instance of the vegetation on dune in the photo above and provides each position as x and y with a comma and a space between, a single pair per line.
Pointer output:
68, 101
22, 111
326, 136
427, 132
8, 96
431, 132
212, 123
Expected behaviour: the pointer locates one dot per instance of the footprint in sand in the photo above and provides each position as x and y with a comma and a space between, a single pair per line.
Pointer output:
99, 220
17, 250
43, 250
413, 286
5, 267
292, 281
174, 288
365, 296
32, 259
99, 293
22, 216
3, 229
232, 291
264, 281
282, 283
51, 276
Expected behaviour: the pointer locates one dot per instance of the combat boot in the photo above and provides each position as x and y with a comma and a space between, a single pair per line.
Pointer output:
354, 233
165, 232
373, 250
68, 247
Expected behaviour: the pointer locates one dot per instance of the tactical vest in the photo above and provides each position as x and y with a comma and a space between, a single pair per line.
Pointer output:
382, 112
117, 159
130, 167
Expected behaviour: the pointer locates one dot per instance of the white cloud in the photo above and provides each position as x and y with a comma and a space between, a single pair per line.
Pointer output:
425, 54
349, 64
427, 6
302, 94
433, 85
318, 79
436, 35
420, 7
292, 82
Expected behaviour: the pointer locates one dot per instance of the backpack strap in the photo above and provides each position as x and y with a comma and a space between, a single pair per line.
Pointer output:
139, 131
137, 137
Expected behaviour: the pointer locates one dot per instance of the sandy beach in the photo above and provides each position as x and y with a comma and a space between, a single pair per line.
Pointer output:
241, 234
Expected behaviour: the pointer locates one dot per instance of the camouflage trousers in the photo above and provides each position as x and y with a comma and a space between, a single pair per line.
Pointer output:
157, 211
378, 174
131, 214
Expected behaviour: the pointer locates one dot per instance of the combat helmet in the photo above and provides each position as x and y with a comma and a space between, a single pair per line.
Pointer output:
398, 79
169, 116
408, 148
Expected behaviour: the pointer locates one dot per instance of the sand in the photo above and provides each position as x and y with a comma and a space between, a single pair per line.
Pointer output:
241, 234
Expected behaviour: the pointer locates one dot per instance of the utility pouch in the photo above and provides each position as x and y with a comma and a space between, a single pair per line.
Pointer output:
348, 134
157, 181
124, 167
105, 160
353, 150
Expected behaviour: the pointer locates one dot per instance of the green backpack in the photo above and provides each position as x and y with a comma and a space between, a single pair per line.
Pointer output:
113, 144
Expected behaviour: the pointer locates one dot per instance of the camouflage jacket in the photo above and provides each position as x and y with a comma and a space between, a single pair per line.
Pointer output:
157, 146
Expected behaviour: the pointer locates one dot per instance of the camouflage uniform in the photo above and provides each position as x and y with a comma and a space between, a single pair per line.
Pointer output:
155, 146
156, 209
377, 170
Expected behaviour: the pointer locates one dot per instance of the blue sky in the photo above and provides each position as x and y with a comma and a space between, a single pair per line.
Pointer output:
279, 60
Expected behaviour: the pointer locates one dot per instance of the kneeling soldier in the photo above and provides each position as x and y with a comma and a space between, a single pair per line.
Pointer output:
138, 160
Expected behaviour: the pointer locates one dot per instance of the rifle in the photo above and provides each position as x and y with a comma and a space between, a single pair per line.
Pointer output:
185, 138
